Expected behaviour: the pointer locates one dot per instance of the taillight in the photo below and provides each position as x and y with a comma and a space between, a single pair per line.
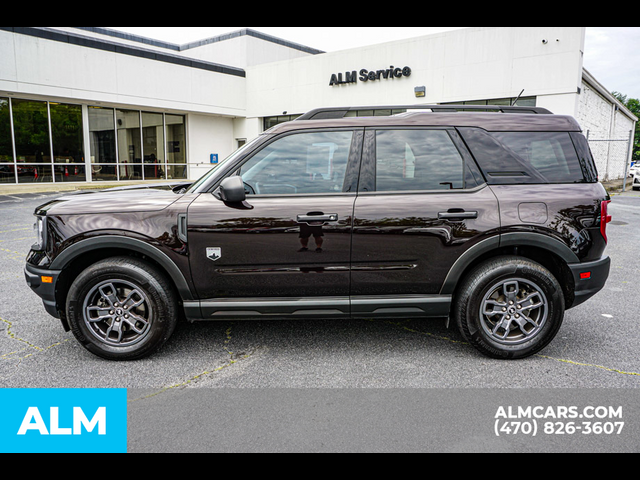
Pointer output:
605, 218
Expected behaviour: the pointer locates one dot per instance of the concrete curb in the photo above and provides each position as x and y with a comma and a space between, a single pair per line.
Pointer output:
616, 186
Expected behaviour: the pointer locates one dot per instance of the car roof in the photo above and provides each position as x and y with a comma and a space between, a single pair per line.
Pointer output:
500, 119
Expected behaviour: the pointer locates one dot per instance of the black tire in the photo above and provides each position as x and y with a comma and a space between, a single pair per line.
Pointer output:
509, 308
122, 309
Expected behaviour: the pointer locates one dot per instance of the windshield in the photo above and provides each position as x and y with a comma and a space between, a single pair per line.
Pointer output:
193, 188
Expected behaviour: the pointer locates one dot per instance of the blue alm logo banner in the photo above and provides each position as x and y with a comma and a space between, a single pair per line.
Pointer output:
63, 421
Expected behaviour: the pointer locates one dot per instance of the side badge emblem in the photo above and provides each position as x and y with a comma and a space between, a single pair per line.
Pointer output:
214, 254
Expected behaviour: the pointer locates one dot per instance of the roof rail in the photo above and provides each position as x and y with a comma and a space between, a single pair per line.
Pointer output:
341, 112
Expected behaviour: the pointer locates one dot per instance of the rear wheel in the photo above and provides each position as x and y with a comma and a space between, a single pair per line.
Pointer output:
510, 308
121, 309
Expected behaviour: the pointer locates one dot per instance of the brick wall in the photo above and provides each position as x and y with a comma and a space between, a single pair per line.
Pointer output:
608, 132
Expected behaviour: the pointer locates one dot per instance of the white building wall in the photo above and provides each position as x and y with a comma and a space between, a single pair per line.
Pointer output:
36, 67
208, 135
243, 51
478, 63
561, 104
237, 49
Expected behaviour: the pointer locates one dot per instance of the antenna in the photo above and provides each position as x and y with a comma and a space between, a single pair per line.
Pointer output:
516, 100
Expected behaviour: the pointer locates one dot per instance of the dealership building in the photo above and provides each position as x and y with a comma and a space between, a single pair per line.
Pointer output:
89, 104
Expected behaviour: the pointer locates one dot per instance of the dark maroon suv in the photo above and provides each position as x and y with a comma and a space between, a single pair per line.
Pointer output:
492, 220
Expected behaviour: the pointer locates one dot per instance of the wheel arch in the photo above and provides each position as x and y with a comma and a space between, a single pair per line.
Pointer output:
548, 252
78, 257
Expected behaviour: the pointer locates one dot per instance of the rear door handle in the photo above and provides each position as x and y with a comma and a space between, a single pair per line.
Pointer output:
457, 214
319, 217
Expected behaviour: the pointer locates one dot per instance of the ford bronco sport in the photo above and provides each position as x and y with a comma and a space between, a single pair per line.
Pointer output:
494, 220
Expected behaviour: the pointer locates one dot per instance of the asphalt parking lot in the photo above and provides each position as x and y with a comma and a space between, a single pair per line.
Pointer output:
597, 347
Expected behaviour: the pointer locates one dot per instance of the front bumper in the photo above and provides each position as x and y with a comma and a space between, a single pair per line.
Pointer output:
589, 278
43, 283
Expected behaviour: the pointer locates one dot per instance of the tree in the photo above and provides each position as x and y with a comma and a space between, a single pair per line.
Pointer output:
633, 104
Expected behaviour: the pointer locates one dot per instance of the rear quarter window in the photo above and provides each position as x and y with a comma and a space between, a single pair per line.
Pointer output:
508, 158
551, 154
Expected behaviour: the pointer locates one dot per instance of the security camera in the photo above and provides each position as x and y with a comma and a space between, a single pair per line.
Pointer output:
545, 41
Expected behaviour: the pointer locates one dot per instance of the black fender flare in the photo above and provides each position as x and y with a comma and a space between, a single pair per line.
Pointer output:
110, 241
505, 240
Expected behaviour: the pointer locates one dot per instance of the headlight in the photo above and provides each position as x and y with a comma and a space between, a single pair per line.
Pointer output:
39, 229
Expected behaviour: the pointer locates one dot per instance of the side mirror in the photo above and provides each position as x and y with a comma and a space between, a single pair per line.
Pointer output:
232, 190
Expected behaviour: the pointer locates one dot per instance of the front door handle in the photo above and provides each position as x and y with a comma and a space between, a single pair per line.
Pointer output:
457, 214
317, 217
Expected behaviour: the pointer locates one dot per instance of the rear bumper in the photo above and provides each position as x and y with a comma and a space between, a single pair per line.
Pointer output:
43, 283
589, 278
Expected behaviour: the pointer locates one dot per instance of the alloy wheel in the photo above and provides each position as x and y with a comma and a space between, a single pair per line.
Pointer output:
514, 311
118, 313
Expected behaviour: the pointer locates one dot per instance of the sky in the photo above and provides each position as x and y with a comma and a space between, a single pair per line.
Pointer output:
612, 54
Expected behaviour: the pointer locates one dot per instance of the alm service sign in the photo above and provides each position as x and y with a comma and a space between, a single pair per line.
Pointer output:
369, 75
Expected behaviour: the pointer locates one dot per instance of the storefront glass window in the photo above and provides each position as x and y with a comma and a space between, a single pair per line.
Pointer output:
153, 145
66, 128
273, 121
129, 136
34, 173
7, 167
129, 145
527, 102
104, 173
176, 151
33, 149
153, 137
176, 147
374, 113
31, 128
70, 173
6, 145
145, 141
7, 173
103, 136
178, 172
68, 142
124, 144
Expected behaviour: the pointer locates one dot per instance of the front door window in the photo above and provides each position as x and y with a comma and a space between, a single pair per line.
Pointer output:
312, 163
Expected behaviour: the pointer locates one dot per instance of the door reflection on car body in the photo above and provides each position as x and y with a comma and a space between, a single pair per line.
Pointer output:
306, 232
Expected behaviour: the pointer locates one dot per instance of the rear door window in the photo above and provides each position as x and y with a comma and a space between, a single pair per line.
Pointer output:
418, 160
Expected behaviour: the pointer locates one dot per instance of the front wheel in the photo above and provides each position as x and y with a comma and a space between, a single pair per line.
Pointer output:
510, 308
121, 309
